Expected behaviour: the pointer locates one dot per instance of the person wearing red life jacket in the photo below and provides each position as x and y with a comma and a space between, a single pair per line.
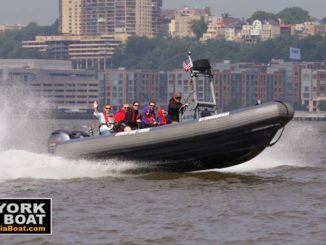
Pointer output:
106, 118
162, 117
120, 118
133, 116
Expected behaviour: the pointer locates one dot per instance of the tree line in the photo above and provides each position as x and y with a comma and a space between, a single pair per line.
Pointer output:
168, 53
11, 41
292, 15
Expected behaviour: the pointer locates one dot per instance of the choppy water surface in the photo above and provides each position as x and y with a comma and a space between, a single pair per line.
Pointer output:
277, 198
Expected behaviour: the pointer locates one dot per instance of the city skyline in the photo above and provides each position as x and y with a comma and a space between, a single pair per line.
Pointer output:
49, 10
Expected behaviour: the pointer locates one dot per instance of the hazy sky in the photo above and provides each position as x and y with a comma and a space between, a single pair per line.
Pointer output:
46, 11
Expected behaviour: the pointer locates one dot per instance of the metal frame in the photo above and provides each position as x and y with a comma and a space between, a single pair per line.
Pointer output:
197, 109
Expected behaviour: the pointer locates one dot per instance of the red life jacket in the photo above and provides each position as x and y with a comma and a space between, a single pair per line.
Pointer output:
135, 115
161, 117
120, 116
106, 117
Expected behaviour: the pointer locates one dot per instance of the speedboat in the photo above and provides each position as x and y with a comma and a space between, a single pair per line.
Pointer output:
203, 139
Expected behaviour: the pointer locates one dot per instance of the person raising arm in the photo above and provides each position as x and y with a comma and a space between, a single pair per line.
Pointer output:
106, 119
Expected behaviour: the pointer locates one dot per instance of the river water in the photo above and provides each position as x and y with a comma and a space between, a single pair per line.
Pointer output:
277, 198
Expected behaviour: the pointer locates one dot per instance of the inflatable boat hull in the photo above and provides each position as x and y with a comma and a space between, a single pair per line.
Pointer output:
216, 141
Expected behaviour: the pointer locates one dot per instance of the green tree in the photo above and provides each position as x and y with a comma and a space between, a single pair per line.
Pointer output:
167, 53
199, 27
262, 15
293, 15
10, 41
322, 105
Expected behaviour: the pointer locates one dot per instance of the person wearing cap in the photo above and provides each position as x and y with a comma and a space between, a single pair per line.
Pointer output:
106, 118
175, 106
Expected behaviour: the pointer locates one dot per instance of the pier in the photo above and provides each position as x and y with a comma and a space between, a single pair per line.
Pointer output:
309, 116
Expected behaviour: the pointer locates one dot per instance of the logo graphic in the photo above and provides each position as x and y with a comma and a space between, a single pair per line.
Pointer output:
25, 216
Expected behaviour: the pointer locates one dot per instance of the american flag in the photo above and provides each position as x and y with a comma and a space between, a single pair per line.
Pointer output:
186, 65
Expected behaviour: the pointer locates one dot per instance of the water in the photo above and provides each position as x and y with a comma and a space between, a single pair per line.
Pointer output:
277, 198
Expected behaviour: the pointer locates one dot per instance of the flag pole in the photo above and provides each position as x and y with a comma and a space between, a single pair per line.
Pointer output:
189, 57
191, 87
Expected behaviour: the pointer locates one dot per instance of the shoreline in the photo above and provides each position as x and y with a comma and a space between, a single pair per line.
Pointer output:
309, 116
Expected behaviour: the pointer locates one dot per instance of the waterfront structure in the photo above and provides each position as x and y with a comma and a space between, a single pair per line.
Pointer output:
292, 80
125, 86
178, 81
53, 81
313, 85
236, 84
240, 85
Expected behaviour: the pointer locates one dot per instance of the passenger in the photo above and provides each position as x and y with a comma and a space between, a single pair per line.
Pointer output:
148, 117
120, 118
175, 106
106, 119
162, 118
133, 116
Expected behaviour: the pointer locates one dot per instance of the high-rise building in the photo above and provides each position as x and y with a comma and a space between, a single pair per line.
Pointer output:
148, 17
128, 17
69, 16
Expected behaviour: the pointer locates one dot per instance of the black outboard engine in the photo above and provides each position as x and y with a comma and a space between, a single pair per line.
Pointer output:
60, 136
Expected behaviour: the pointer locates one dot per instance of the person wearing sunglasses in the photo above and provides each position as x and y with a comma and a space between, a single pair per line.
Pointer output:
148, 116
175, 106
133, 116
120, 118
106, 118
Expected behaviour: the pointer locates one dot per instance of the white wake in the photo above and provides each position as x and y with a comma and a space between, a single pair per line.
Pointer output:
293, 149
23, 143
16, 164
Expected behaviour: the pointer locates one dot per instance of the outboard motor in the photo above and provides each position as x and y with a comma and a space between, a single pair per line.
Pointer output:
61, 136
57, 137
